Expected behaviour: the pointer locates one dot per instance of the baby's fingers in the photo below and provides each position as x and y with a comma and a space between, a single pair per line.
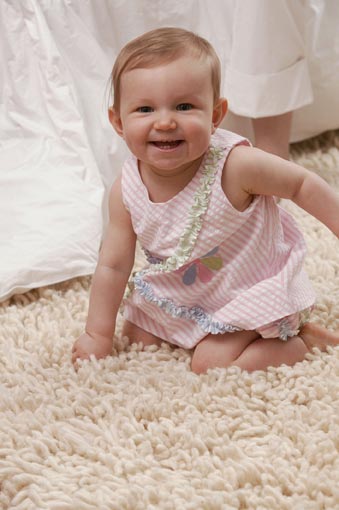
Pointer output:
76, 356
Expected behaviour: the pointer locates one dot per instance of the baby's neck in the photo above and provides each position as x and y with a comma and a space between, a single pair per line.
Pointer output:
162, 186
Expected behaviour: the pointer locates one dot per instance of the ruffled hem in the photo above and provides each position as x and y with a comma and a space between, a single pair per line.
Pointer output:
195, 313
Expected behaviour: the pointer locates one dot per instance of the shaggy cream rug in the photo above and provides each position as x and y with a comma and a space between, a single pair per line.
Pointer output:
139, 430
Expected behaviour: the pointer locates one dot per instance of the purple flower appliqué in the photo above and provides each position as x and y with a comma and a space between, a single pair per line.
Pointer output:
203, 268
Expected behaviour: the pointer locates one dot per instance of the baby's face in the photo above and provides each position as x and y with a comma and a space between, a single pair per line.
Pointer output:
167, 114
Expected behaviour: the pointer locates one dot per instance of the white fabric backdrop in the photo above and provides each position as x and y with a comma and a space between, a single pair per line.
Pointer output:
283, 56
58, 153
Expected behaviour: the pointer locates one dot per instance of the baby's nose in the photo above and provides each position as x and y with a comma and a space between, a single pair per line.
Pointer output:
165, 121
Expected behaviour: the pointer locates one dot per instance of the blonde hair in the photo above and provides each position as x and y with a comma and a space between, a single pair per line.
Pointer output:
160, 46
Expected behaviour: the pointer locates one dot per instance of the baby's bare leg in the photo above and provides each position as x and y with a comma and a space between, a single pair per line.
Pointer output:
247, 350
220, 350
274, 352
271, 352
136, 334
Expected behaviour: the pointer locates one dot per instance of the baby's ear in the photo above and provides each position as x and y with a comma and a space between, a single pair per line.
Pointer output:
219, 112
115, 120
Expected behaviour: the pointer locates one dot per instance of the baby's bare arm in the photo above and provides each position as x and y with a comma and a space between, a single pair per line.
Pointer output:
250, 171
109, 281
319, 199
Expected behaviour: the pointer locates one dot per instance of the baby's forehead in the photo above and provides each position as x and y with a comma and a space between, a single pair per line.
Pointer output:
182, 71
149, 61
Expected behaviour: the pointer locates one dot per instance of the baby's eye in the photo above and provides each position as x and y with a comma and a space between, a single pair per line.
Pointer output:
144, 109
184, 107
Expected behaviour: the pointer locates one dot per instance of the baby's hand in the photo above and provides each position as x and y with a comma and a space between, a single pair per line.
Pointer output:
100, 347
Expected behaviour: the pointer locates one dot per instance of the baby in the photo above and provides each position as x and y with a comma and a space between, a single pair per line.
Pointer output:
224, 274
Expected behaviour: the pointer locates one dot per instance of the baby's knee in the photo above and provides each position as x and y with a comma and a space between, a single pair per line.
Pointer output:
202, 360
199, 365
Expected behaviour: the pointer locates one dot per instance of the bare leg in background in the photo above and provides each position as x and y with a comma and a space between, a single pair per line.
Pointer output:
272, 134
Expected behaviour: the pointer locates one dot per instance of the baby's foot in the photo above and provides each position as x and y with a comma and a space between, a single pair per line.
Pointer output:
318, 336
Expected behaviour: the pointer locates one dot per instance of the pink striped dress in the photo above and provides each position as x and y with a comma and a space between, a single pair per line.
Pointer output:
211, 268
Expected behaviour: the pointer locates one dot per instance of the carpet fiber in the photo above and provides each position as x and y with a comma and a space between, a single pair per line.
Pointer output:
139, 430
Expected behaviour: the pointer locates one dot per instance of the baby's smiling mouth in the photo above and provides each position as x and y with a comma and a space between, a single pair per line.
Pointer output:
167, 144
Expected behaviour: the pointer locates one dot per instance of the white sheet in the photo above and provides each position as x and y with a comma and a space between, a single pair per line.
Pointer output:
58, 153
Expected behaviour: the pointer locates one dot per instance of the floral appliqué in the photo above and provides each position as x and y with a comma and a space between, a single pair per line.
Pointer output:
203, 268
